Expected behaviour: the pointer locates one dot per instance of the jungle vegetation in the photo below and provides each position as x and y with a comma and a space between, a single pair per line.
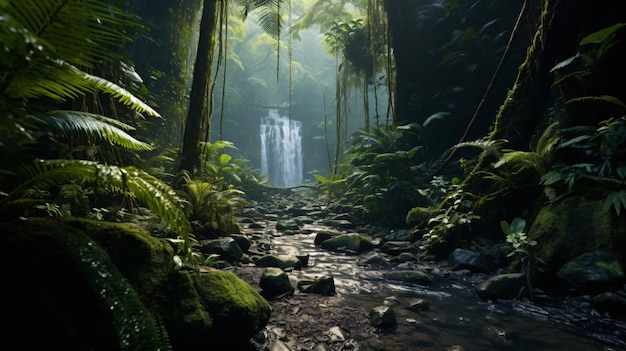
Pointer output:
446, 116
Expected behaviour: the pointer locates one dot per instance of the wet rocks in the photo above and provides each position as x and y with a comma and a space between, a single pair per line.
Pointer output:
382, 317
275, 283
502, 286
280, 261
413, 277
464, 259
610, 302
592, 272
226, 247
324, 285
352, 242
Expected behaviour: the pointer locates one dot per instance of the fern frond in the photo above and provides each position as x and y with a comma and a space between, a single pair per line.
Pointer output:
121, 94
159, 197
68, 124
81, 32
270, 18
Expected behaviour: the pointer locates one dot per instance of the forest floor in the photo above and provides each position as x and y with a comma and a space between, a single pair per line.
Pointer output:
307, 321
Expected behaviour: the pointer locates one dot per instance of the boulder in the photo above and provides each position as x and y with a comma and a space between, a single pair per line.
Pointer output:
104, 276
352, 242
324, 285
395, 248
280, 261
610, 302
464, 259
574, 226
414, 277
275, 283
592, 272
226, 247
237, 310
284, 225
382, 317
502, 286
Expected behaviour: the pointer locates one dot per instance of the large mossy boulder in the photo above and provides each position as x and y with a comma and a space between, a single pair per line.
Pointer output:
78, 284
573, 226
593, 272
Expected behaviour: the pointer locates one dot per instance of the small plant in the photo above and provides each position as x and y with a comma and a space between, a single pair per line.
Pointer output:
522, 248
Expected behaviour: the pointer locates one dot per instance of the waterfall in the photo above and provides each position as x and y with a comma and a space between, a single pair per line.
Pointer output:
281, 149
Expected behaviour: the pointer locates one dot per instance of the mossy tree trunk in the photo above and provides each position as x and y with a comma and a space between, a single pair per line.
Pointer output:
523, 116
197, 126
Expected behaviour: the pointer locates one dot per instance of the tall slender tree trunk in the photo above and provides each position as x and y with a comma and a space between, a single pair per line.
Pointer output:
200, 102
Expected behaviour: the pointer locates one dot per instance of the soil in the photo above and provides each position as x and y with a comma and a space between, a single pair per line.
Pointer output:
302, 321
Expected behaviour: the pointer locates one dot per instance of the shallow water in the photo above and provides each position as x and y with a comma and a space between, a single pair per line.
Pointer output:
456, 317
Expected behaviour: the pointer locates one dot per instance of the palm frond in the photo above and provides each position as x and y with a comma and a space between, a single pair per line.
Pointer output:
82, 32
159, 197
68, 124
270, 18
121, 94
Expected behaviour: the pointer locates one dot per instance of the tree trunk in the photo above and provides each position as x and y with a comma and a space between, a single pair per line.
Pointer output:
561, 26
200, 103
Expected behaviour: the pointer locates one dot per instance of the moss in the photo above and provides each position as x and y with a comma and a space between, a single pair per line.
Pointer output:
144, 260
574, 226
237, 308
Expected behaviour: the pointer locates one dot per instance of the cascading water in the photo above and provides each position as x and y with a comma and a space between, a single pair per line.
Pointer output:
281, 149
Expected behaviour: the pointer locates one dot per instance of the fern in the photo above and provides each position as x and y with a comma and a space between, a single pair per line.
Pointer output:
68, 124
159, 197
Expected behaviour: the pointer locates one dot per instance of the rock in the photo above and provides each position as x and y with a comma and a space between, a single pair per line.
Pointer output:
257, 225
277, 345
464, 259
238, 311
574, 226
336, 334
399, 235
226, 247
382, 317
405, 257
503, 286
324, 285
101, 275
592, 272
610, 302
321, 347
243, 242
397, 247
391, 301
419, 305
287, 225
415, 277
323, 236
280, 261
375, 259
340, 223
353, 242
270, 216
275, 283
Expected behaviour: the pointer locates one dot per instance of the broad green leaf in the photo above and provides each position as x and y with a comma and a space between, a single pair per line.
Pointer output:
601, 35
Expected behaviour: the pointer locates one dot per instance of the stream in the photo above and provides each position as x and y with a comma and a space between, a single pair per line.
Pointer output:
457, 319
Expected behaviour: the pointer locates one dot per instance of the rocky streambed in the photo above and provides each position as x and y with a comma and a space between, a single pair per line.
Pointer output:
370, 291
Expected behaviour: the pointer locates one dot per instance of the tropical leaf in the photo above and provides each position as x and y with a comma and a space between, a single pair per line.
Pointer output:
601, 35
159, 197
270, 18
616, 200
121, 94
69, 124
82, 32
